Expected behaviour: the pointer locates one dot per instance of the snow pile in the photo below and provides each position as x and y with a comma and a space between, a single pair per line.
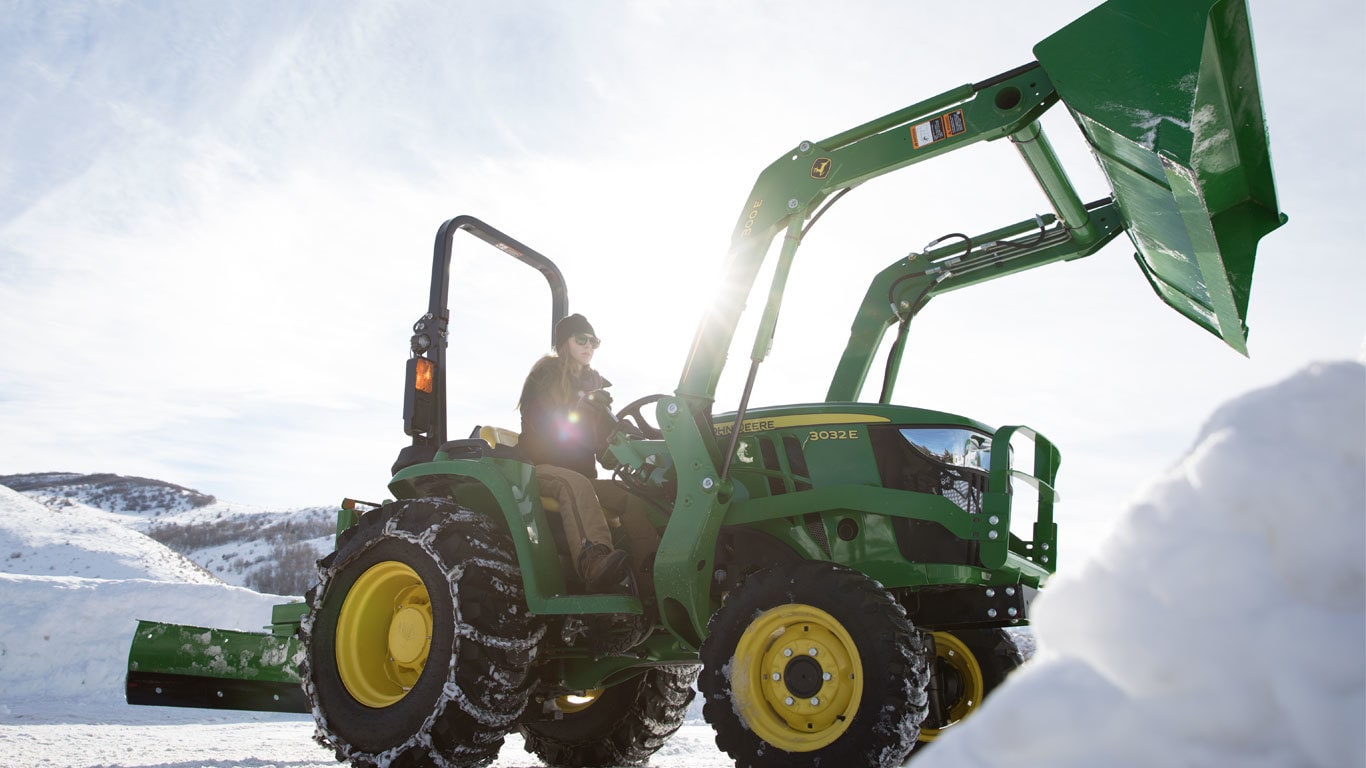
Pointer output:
64, 640
1224, 620
74, 582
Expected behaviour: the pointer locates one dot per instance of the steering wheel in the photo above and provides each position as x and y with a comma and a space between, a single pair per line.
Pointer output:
631, 422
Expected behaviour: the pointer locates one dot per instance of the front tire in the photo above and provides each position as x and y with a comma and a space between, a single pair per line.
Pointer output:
620, 725
417, 640
969, 664
813, 664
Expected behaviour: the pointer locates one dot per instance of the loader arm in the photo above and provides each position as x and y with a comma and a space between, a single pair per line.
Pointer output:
1166, 94
793, 187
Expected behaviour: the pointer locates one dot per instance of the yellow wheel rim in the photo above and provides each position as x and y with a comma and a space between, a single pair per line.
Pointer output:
796, 678
578, 702
384, 632
954, 658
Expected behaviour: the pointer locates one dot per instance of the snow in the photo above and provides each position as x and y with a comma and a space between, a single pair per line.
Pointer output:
81, 541
1222, 623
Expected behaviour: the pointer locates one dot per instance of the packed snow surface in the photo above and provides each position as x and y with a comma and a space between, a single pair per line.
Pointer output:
1222, 623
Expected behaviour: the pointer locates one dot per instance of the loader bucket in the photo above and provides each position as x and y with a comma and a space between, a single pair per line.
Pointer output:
1166, 93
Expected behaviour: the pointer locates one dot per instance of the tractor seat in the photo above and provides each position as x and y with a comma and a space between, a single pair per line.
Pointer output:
496, 436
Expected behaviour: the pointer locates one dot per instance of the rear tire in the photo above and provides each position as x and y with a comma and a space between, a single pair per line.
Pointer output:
388, 694
813, 664
622, 725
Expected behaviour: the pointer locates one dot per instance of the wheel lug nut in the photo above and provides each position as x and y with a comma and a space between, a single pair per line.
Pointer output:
787, 651
789, 701
777, 676
811, 652
815, 702
825, 676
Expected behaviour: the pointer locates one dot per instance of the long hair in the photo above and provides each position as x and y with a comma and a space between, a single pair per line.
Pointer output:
555, 367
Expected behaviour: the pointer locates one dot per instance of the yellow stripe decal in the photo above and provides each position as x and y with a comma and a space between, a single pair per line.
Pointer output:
803, 420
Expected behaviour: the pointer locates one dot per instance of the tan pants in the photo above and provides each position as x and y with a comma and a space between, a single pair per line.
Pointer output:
580, 511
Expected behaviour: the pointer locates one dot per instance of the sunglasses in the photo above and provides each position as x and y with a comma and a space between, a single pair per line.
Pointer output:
587, 340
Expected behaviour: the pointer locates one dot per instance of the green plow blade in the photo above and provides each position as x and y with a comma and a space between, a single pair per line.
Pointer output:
172, 665
1166, 93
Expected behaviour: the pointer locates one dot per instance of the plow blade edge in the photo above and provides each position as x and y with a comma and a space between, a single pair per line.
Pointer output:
172, 665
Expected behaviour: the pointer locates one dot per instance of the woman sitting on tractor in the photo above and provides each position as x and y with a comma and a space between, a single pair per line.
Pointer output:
565, 423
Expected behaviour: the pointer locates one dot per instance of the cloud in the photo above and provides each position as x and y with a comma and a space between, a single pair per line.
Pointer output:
230, 233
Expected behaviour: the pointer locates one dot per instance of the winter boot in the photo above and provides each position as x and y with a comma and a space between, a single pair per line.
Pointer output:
603, 569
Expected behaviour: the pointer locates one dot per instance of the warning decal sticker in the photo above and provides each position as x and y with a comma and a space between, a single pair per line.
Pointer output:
937, 129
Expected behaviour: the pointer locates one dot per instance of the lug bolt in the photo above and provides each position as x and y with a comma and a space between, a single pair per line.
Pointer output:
991, 593
789, 701
825, 676
777, 676
811, 652
787, 651
1010, 591
991, 612
815, 702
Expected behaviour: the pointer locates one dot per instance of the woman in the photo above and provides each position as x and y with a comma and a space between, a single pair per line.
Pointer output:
564, 425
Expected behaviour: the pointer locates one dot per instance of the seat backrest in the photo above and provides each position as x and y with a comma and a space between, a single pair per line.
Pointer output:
496, 436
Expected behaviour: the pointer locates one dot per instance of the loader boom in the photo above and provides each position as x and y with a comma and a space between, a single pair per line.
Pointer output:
1165, 92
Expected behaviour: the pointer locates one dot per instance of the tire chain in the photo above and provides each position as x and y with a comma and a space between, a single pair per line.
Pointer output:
467, 725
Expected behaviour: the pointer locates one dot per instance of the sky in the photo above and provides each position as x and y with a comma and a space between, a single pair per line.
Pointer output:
216, 226
1189, 621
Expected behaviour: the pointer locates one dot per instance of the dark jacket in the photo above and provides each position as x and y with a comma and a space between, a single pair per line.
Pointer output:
566, 434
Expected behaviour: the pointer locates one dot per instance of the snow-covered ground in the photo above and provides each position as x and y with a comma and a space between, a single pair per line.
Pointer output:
1222, 623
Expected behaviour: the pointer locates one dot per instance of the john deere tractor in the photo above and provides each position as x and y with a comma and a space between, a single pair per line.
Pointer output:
838, 578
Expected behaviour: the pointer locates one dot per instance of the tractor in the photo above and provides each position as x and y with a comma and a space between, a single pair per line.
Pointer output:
839, 579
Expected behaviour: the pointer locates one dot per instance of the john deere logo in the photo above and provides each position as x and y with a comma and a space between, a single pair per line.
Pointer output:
821, 168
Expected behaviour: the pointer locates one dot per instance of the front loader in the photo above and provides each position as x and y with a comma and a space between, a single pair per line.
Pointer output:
837, 578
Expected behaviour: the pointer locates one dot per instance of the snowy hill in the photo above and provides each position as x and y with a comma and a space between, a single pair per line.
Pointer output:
74, 581
1222, 623
111, 493
62, 540
267, 550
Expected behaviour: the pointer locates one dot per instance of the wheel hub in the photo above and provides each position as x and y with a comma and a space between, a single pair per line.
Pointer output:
803, 677
410, 634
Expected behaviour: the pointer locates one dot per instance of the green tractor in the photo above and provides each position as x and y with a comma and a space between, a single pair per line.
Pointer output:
836, 578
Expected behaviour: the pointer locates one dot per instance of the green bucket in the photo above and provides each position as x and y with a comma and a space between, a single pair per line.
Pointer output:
1166, 93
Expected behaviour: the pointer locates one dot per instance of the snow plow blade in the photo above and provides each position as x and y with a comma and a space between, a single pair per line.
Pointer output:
172, 665
1166, 92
